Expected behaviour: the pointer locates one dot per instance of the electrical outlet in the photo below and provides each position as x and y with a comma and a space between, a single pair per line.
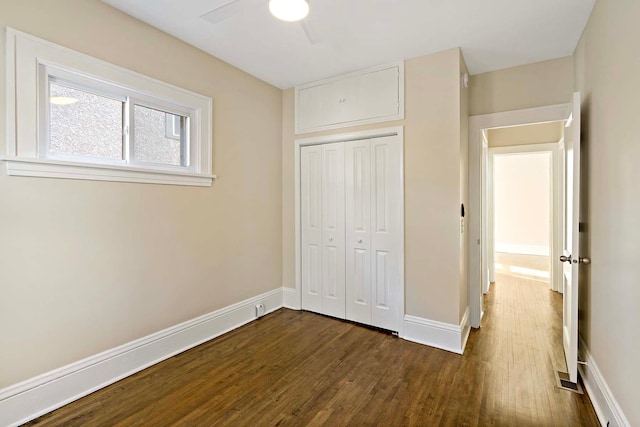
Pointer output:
259, 310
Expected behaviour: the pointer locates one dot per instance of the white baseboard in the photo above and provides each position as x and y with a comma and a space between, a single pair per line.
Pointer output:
30, 399
290, 298
607, 408
522, 249
445, 336
465, 327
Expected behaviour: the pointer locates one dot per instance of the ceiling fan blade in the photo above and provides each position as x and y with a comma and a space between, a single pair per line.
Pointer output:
312, 35
224, 11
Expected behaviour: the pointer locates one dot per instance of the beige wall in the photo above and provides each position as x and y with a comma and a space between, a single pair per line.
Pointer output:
522, 202
542, 133
432, 186
526, 86
86, 266
607, 66
288, 190
464, 189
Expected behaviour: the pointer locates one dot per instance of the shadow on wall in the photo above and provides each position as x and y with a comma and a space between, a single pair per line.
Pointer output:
584, 293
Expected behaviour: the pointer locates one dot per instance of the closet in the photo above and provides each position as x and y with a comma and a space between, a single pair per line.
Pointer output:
352, 237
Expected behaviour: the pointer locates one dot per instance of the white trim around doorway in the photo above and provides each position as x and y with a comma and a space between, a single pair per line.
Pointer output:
477, 173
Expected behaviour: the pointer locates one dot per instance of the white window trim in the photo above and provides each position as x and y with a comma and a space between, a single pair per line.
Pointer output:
26, 56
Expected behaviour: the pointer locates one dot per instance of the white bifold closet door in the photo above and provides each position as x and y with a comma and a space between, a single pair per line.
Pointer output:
352, 233
374, 210
323, 233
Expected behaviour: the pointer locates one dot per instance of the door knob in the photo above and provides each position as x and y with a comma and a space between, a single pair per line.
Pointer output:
565, 258
585, 260
331, 238
359, 240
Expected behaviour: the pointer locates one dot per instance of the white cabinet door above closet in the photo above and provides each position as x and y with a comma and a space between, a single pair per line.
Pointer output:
368, 96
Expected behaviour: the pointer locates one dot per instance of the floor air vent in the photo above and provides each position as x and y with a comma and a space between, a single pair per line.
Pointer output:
562, 381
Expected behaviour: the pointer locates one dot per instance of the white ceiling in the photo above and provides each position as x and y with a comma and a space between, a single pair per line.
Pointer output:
356, 34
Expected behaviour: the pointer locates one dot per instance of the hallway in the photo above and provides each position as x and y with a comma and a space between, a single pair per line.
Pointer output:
521, 338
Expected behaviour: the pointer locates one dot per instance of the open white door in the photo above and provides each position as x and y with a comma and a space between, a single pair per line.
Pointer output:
570, 257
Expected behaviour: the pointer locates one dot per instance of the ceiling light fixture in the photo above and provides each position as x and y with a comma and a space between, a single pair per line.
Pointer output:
289, 10
62, 100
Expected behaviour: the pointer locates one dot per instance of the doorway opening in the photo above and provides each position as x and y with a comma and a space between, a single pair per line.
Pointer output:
564, 271
480, 271
524, 182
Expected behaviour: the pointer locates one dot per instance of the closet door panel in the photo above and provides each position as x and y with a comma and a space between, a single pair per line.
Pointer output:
311, 224
387, 237
358, 230
333, 231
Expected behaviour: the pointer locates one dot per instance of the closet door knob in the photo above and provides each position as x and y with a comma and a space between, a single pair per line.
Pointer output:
331, 238
359, 240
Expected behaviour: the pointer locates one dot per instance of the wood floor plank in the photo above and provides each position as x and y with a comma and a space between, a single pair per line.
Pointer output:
297, 369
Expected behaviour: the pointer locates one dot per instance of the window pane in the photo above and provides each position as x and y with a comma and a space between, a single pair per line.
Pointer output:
158, 136
84, 124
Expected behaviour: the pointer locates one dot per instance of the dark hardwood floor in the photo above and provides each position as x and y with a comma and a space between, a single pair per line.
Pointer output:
298, 368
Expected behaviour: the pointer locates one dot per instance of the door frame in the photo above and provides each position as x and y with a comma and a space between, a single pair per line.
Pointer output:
328, 139
478, 215
556, 183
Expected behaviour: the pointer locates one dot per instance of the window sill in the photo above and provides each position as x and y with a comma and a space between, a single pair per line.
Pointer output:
46, 168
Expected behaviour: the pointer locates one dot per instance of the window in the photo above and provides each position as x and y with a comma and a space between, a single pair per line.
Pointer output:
94, 120
83, 124
173, 126
152, 144
90, 120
